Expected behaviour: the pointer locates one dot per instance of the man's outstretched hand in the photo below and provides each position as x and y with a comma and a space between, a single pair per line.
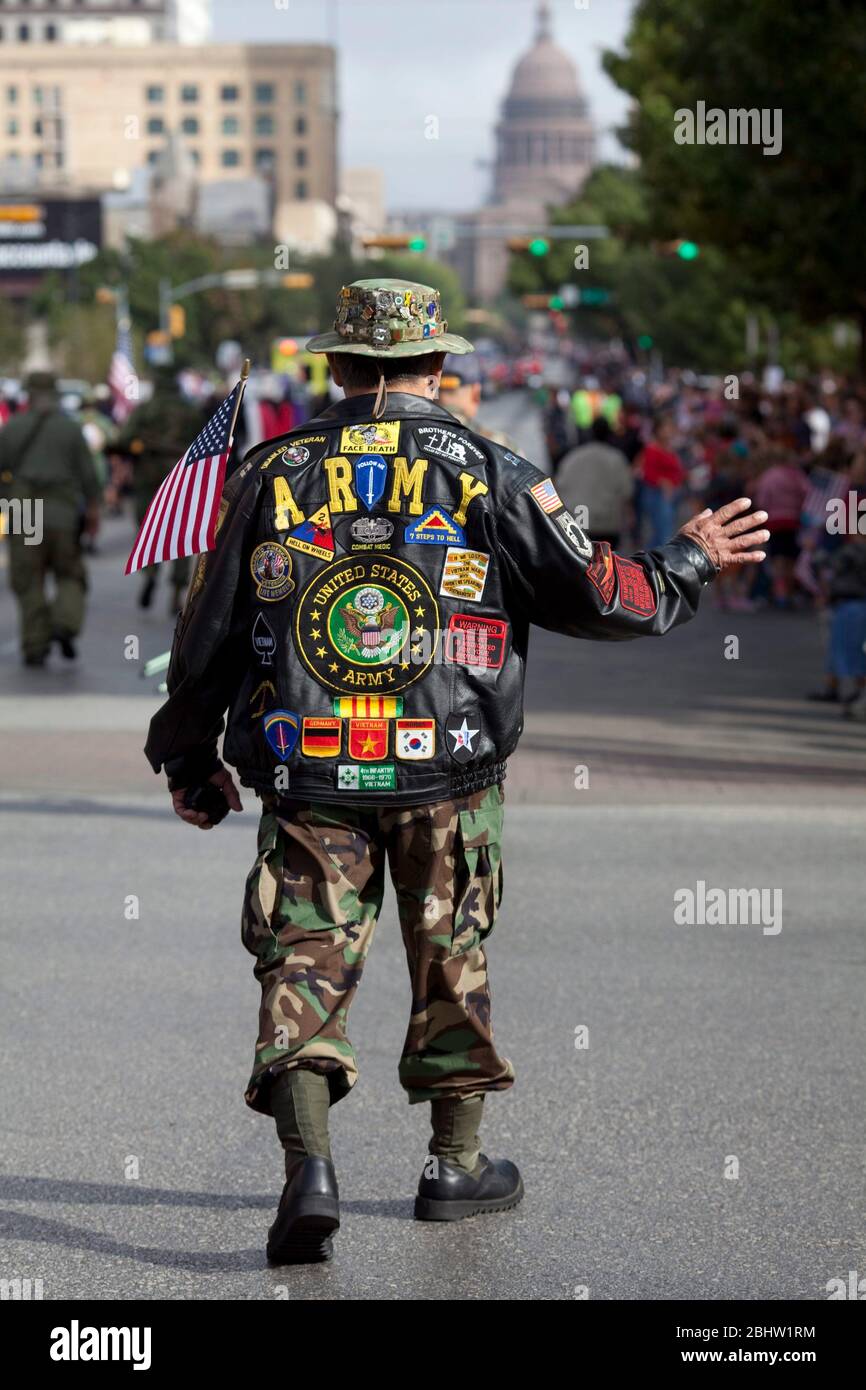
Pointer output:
729, 536
221, 779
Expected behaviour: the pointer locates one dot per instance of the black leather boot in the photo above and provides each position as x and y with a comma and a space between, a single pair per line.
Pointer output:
450, 1193
308, 1212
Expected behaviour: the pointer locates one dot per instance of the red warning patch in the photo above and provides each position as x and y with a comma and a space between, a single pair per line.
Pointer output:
635, 591
600, 571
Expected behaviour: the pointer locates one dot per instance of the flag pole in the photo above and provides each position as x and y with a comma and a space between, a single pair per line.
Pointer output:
245, 371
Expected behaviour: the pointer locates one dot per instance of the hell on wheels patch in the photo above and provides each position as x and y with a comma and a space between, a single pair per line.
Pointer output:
473, 641
367, 625
600, 572
271, 568
314, 536
379, 438
635, 591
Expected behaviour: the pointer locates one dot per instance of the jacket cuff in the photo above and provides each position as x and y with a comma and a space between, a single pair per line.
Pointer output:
192, 769
697, 557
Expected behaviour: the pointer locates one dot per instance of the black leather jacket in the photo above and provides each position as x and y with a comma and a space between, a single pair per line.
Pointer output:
364, 617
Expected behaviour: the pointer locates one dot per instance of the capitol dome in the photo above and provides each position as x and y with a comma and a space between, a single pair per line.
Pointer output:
545, 138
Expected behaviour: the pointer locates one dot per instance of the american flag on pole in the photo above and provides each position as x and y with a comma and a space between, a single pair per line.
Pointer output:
122, 377
181, 519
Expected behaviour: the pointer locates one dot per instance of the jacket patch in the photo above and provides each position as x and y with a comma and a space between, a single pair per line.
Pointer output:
448, 444
415, 739
546, 496
368, 706
369, 533
352, 778
264, 641
435, 527
472, 641
381, 437
600, 571
371, 476
461, 731
573, 534
281, 731
265, 690
367, 624
368, 740
314, 536
271, 568
321, 737
635, 591
464, 574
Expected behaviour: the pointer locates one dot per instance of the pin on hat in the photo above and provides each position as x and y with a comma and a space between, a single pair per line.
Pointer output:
389, 318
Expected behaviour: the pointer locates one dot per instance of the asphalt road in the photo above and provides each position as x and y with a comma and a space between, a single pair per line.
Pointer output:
129, 1165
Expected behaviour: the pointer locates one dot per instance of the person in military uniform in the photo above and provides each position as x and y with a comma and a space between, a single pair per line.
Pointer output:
45, 461
460, 394
364, 620
154, 437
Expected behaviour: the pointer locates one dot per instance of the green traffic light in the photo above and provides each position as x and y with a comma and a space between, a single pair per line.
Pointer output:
418, 243
688, 250
556, 301
644, 341
538, 247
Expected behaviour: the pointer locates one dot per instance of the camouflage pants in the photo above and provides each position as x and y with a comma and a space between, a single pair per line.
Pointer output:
310, 909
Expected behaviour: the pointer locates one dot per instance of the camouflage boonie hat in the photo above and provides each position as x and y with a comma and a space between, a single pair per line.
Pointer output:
389, 318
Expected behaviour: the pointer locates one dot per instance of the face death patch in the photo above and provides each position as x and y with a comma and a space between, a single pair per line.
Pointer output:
601, 572
367, 625
472, 641
435, 527
463, 574
271, 568
414, 739
321, 737
448, 444
573, 534
635, 591
314, 536
281, 731
381, 437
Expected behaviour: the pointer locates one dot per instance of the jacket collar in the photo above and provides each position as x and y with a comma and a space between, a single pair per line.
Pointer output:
400, 406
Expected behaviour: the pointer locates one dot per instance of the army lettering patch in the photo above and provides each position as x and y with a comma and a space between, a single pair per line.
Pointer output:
320, 737
369, 533
271, 568
264, 641
314, 536
352, 778
461, 732
368, 706
435, 527
473, 641
546, 496
448, 444
368, 740
601, 572
415, 739
635, 591
463, 574
573, 534
382, 437
369, 624
281, 731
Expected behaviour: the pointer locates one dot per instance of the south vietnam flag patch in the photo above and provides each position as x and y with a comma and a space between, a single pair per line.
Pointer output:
368, 740
415, 738
314, 536
320, 737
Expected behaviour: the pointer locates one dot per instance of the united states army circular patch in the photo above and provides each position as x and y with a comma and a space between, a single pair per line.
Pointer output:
369, 624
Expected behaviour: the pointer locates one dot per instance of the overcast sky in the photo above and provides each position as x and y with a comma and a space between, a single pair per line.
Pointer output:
401, 61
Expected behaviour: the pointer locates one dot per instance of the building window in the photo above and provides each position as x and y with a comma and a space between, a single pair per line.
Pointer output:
38, 159
155, 94
50, 33
37, 96
264, 93
300, 125
152, 156
300, 159
230, 159
189, 92
12, 95
231, 125
23, 33
195, 156
37, 126
301, 188
230, 93
189, 125
265, 159
300, 92
156, 125
12, 126
264, 125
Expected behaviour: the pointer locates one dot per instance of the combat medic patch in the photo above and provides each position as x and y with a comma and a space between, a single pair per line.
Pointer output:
635, 591
264, 641
368, 740
271, 568
463, 574
320, 737
448, 444
473, 641
546, 496
354, 778
573, 534
367, 624
601, 572
461, 731
314, 536
414, 738
435, 527
369, 533
371, 476
281, 731
382, 437
368, 706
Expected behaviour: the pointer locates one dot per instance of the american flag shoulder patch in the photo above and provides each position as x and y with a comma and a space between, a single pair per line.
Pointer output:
546, 495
